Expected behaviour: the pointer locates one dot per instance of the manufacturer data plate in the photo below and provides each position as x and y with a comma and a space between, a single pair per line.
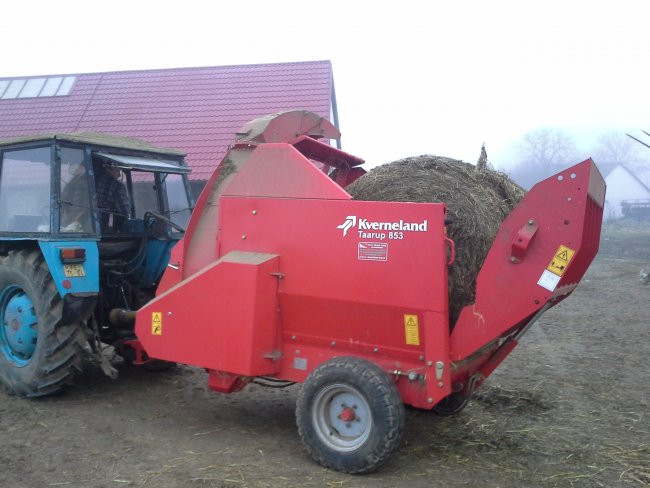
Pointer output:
373, 251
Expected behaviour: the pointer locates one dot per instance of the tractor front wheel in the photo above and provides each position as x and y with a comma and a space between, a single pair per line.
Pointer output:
350, 415
39, 354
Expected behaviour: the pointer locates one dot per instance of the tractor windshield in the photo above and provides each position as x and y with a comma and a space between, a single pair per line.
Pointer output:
155, 185
177, 200
169, 188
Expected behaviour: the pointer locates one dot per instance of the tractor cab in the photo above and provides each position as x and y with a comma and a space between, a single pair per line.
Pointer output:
101, 212
53, 189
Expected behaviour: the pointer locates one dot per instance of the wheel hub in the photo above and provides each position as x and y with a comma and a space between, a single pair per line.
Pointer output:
342, 417
347, 414
18, 334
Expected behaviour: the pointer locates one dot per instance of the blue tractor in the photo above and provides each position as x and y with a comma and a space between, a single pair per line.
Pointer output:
68, 259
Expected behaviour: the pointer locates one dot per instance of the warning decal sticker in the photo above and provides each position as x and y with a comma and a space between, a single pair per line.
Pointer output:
561, 260
412, 330
156, 323
548, 280
553, 273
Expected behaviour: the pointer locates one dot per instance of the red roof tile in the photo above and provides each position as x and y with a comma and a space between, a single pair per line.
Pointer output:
196, 110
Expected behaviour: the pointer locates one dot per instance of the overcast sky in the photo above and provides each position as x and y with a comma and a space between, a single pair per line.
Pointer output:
411, 77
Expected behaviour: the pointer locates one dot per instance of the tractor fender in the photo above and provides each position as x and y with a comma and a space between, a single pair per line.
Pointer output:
78, 278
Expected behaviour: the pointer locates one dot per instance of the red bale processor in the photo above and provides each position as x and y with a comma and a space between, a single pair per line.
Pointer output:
282, 276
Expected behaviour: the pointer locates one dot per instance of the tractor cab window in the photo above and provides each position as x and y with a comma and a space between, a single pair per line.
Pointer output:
151, 190
145, 195
156, 187
25, 190
177, 200
113, 202
75, 199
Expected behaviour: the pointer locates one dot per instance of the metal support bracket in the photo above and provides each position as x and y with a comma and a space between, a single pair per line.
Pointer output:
522, 241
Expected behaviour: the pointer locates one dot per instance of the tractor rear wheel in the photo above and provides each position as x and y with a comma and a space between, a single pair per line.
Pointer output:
39, 354
350, 415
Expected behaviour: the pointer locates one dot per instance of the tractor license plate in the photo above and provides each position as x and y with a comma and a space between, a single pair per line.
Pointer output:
73, 270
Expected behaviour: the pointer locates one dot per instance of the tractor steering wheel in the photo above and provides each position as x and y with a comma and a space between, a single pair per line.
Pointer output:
155, 215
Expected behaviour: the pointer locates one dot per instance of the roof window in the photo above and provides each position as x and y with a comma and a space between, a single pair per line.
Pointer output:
54, 86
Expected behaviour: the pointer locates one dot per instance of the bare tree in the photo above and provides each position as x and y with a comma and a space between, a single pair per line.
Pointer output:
547, 148
616, 148
543, 152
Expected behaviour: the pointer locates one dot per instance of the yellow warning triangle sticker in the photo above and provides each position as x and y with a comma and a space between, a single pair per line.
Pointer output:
156, 323
412, 330
560, 260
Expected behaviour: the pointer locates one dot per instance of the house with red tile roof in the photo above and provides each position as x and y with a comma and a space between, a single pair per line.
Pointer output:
196, 110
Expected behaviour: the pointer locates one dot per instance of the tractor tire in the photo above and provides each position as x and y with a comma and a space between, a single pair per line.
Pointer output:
350, 415
39, 354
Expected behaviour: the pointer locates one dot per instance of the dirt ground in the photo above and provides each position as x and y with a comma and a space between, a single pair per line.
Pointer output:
569, 408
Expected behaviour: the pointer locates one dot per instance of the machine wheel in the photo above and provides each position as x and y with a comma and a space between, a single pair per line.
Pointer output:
451, 404
350, 415
39, 354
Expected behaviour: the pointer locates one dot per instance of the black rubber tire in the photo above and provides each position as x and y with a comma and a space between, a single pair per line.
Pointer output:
451, 404
377, 392
60, 347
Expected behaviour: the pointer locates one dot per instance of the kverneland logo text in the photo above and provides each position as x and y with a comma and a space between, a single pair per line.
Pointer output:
365, 224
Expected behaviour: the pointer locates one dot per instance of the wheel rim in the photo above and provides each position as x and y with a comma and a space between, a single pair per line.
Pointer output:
342, 417
18, 325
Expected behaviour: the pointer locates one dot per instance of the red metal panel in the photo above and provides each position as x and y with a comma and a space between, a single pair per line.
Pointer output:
200, 241
280, 170
268, 170
320, 151
223, 318
365, 279
353, 272
286, 126
566, 210
323, 258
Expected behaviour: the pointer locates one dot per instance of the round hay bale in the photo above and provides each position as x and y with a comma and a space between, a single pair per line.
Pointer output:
478, 200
